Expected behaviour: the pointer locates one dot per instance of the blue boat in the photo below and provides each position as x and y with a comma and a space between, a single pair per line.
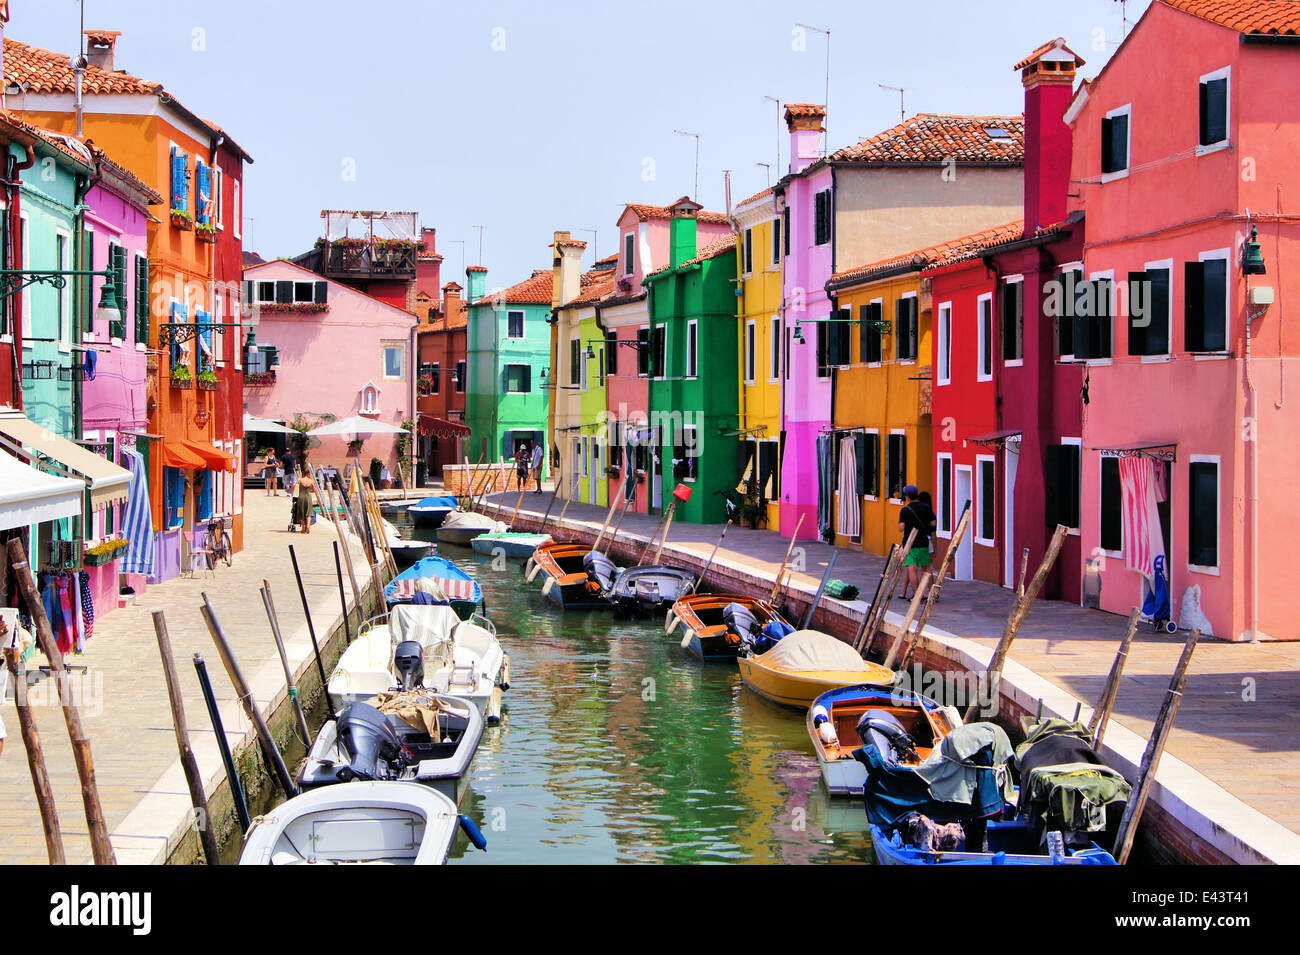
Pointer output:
461, 591
431, 511
890, 850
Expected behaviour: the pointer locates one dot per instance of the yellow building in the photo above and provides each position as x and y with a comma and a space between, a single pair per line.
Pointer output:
760, 253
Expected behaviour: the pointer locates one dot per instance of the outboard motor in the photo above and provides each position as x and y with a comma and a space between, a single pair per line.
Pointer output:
740, 621
600, 570
881, 729
408, 661
366, 737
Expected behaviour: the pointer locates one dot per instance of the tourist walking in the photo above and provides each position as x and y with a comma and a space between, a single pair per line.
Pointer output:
270, 474
538, 457
290, 464
924, 498
523, 463
305, 487
917, 516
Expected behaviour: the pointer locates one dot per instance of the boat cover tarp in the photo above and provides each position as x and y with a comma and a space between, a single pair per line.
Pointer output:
436, 502
893, 792
472, 519
457, 584
813, 650
1064, 784
953, 769
425, 623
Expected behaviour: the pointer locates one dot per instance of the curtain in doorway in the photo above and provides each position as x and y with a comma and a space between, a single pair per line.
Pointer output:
849, 516
825, 486
1142, 539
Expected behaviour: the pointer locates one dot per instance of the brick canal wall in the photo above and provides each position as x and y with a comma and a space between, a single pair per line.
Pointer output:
1187, 820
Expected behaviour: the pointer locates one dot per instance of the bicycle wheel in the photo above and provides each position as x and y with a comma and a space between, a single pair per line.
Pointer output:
227, 549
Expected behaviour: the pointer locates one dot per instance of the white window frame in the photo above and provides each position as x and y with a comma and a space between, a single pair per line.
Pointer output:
944, 505
1109, 274
236, 210
881, 450
385, 347
311, 290
64, 294
1217, 461
774, 350
257, 292
751, 352
218, 318
876, 364
1018, 279
978, 516
1111, 554
983, 350
1125, 110
776, 241
1210, 256
523, 324
747, 252
1225, 74
692, 344
884, 453
1167, 265
944, 342
219, 206
917, 357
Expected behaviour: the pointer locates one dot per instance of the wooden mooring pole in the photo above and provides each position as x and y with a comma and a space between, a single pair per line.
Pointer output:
932, 595
1101, 715
35, 758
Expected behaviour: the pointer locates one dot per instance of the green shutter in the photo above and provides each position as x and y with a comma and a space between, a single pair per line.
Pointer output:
141, 300
284, 292
321, 293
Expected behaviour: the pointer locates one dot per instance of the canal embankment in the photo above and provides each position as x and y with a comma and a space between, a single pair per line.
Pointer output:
1227, 788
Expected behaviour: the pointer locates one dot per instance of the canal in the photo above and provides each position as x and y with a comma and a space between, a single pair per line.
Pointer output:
616, 746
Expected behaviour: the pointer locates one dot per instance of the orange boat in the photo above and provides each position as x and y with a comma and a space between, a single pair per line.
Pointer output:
716, 624
567, 581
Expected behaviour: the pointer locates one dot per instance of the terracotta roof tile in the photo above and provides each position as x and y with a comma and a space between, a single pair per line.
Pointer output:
1245, 16
711, 251
535, 290
49, 72
1057, 44
805, 109
944, 253
936, 137
757, 195
644, 211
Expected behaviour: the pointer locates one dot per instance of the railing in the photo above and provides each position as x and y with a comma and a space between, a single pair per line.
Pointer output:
350, 257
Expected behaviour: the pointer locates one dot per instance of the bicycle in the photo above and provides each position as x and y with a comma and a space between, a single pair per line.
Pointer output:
219, 544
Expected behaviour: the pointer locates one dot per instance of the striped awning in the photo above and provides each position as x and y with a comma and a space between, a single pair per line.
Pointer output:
108, 483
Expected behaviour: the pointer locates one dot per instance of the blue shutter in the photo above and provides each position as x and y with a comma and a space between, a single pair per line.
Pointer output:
173, 496
203, 505
175, 181
176, 312
203, 190
206, 334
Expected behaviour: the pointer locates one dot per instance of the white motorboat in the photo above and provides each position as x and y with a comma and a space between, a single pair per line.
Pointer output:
460, 657
405, 552
461, 527
393, 823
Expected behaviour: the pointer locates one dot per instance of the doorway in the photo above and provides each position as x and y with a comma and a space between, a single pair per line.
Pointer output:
963, 563
657, 469
1010, 465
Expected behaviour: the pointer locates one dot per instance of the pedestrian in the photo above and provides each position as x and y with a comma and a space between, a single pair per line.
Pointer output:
538, 457
270, 467
523, 463
290, 464
924, 498
919, 517
305, 488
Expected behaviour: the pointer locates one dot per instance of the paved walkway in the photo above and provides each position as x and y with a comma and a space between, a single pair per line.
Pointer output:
126, 713
1238, 724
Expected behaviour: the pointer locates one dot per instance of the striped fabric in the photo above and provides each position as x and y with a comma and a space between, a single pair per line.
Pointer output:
849, 517
137, 527
1143, 541
404, 589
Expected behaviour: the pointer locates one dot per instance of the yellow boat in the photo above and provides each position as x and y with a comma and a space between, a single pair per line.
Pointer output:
806, 664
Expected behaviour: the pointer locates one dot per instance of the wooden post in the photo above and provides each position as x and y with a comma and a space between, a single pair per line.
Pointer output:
878, 614
316, 491
709, 563
603, 527
875, 600
567, 501
912, 609
932, 595
101, 848
273, 758
311, 631
343, 600
1024, 569
284, 660
1100, 716
663, 538
376, 520
821, 589
1018, 614
555, 492
776, 584
654, 537
347, 553
198, 798
36, 760
1155, 749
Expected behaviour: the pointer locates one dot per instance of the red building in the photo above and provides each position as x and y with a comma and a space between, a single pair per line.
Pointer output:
442, 380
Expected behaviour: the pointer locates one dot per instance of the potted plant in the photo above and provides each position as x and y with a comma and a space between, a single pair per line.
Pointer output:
207, 380
182, 220
181, 376
354, 447
205, 232
613, 471
103, 553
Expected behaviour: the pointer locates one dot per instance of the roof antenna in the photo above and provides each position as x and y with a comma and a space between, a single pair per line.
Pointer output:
1123, 18
79, 67
902, 116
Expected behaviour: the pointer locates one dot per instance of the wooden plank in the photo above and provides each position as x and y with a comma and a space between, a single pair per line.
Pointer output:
878, 615
963, 525
35, 758
1100, 716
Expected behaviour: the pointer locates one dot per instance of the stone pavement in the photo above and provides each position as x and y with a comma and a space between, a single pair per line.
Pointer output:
1238, 724
125, 711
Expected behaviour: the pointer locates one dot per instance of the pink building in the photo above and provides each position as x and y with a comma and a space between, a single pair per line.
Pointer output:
1183, 144
340, 352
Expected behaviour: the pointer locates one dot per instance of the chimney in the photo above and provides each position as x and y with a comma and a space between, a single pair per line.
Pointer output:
683, 236
428, 264
450, 301
566, 268
804, 120
1048, 76
99, 48
476, 282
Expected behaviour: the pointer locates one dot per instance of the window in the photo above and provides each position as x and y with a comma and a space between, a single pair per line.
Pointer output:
600, 366
659, 337
1205, 303
1094, 308
785, 230
180, 182
1115, 143
823, 349
1148, 312
643, 352
749, 251
218, 200
905, 330
776, 241
870, 338
986, 494
435, 379
395, 361
614, 453
460, 377
514, 324
1013, 320
63, 296
236, 211
774, 348
984, 313
611, 353
822, 217
1061, 485
117, 263
692, 348
1112, 522
304, 292
1071, 291
945, 343
265, 293
519, 379
575, 361
203, 206
750, 345
839, 342
141, 299
629, 245
582, 367
943, 500
1203, 512
204, 340
686, 455
869, 477
173, 496
896, 464
1214, 110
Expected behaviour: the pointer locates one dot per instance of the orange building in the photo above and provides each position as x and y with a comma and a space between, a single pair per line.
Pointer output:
195, 342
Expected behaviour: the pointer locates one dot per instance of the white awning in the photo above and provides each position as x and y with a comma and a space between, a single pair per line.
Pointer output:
29, 496
108, 482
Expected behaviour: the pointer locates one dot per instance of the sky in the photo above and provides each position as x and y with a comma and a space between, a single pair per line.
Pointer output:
501, 122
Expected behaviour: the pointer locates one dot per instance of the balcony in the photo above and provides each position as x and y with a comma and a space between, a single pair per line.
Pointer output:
371, 258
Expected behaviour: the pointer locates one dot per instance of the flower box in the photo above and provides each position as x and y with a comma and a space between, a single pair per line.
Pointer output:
182, 381
207, 384
254, 379
182, 220
205, 233
104, 553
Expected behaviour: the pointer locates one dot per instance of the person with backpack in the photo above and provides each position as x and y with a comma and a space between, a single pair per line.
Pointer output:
919, 516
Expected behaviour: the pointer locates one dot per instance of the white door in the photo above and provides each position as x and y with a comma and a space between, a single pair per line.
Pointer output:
1010, 557
963, 564
595, 471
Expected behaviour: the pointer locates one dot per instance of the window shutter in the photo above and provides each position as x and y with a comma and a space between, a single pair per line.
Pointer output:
1085, 320
785, 229
1069, 309
1215, 304
860, 456
900, 328
913, 326
1104, 309
321, 293
248, 294
1008, 322
1214, 111
873, 465
1194, 301
611, 353
527, 379
203, 191
1137, 334
1107, 137
864, 333
141, 300
1203, 518
823, 347
284, 292
1053, 484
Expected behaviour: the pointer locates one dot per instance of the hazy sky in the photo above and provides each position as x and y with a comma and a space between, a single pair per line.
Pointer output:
528, 117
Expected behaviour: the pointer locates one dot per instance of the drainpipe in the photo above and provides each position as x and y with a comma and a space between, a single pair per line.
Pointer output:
1253, 450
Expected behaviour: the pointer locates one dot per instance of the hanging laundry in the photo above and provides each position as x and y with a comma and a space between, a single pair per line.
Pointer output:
87, 605
78, 625
137, 525
1143, 540
88, 367
65, 633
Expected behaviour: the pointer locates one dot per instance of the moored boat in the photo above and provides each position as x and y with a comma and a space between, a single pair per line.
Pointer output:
405, 552
461, 527
431, 511
803, 665
833, 720
394, 823
567, 579
516, 544
1006, 846
716, 625
648, 588
440, 581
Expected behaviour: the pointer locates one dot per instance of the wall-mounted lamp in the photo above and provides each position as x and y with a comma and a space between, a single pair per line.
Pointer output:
1252, 259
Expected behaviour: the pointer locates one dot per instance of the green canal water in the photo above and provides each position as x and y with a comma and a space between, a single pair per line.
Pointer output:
616, 746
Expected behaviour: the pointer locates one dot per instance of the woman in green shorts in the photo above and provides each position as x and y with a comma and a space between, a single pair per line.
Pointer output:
918, 516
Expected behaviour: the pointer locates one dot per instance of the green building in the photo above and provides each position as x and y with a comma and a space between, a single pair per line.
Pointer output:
507, 353
694, 363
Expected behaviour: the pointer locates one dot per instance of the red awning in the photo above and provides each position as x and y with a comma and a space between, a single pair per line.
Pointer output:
213, 459
175, 454
441, 427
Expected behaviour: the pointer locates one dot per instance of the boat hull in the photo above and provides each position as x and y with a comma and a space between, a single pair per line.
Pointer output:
702, 615
459, 535
799, 690
405, 553
518, 546
889, 850
427, 517
642, 591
